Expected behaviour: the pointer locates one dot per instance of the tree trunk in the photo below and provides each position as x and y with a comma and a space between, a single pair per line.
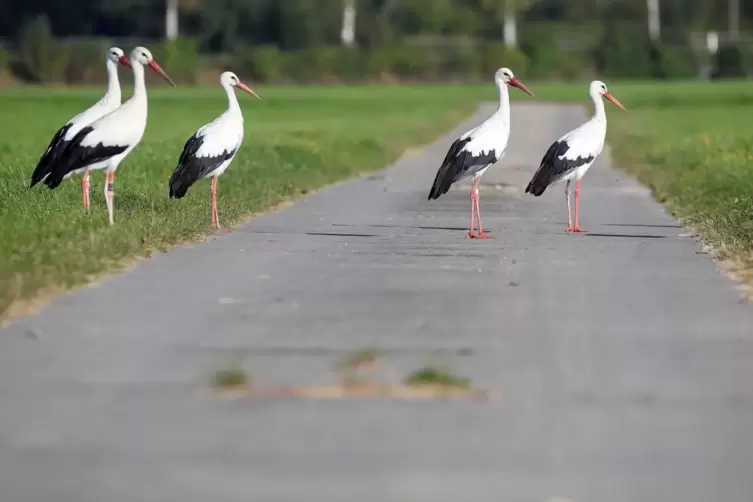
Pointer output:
510, 25
348, 34
654, 24
171, 20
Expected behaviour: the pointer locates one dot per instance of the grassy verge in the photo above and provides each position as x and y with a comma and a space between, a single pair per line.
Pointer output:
692, 143
297, 140
694, 148
688, 141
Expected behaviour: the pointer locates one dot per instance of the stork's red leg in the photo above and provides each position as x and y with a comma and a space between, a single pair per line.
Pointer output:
471, 233
577, 208
215, 219
475, 199
570, 227
215, 214
85, 189
110, 194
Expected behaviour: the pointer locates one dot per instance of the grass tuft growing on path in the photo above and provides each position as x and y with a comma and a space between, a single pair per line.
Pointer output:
296, 140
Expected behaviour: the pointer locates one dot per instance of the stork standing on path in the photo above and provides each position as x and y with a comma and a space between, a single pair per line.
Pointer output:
570, 156
64, 136
479, 148
212, 148
104, 143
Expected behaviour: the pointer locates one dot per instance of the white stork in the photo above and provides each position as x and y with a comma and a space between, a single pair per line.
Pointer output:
479, 148
65, 135
104, 143
212, 148
570, 156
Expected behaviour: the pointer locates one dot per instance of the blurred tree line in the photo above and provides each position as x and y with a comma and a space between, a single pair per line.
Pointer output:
300, 40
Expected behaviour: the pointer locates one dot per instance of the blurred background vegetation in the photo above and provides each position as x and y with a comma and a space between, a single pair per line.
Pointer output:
302, 41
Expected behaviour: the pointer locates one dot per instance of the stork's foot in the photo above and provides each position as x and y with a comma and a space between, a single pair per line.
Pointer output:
482, 235
577, 229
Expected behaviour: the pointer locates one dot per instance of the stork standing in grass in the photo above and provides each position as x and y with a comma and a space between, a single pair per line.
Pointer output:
104, 143
64, 136
479, 148
570, 156
212, 148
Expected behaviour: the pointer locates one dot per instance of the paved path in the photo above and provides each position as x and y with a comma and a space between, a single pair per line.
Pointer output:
620, 363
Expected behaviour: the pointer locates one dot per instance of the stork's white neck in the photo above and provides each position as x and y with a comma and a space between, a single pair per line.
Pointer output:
599, 113
503, 112
113, 83
139, 85
232, 100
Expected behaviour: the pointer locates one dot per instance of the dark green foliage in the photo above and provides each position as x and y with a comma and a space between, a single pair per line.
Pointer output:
181, 56
299, 40
259, 64
4, 60
402, 61
673, 62
38, 51
81, 61
728, 62
495, 56
624, 51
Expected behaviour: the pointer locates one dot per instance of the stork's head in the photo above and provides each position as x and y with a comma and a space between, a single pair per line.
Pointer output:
504, 76
230, 79
115, 54
143, 57
599, 88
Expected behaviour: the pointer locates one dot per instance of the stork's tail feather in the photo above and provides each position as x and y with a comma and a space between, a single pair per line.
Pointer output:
442, 182
179, 184
51, 156
537, 186
540, 181
55, 177
40, 171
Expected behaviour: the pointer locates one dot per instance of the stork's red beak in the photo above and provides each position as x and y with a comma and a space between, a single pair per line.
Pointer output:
244, 87
124, 61
614, 100
154, 66
517, 83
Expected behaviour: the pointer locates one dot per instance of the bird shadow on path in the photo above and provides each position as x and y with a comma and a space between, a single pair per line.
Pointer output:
644, 225
416, 227
635, 236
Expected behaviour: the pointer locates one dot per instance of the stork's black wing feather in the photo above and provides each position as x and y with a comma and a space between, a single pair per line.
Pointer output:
554, 167
52, 155
459, 163
78, 156
191, 168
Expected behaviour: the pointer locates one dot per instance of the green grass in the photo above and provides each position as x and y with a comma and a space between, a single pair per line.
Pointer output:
436, 376
693, 145
691, 142
696, 152
297, 139
233, 377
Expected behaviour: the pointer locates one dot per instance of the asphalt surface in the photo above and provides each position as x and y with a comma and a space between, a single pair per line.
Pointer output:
619, 363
